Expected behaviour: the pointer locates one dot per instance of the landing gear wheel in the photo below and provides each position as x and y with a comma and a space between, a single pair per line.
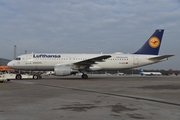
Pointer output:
35, 76
84, 76
18, 77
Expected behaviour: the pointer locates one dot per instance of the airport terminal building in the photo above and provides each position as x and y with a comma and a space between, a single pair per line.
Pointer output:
4, 62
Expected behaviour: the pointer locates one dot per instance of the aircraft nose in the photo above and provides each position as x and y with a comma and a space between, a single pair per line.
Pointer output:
10, 64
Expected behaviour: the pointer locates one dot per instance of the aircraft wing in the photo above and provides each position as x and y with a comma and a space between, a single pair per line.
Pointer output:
92, 60
160, 57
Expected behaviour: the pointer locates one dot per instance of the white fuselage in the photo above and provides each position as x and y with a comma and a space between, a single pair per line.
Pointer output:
117, 61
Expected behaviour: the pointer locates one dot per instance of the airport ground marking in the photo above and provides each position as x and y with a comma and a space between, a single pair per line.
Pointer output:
112, 94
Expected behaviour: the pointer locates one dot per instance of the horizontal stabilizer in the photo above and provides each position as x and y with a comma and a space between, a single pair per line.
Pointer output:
160, 57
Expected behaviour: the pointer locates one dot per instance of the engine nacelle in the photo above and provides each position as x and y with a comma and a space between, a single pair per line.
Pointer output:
62, 70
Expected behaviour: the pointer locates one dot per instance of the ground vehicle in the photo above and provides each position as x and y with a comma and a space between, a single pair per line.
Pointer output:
8, 76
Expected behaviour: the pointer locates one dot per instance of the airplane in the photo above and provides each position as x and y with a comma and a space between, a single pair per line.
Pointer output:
149, 73
67, 64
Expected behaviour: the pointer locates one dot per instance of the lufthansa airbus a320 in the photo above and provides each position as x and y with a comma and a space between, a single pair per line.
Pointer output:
67, 64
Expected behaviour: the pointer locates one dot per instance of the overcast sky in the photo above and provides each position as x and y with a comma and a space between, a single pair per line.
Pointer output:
89, 26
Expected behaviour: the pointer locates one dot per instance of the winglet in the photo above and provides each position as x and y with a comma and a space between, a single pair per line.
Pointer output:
152, 45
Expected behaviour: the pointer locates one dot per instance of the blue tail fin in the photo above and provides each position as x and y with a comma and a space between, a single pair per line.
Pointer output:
141, 70
152, 45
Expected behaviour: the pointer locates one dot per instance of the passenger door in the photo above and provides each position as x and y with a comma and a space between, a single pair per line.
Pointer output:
135, 60
28, 59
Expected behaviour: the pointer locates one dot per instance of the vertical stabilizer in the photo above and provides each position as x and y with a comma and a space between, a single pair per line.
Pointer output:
152, 45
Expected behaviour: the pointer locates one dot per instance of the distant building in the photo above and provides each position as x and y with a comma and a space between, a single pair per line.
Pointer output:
4, 62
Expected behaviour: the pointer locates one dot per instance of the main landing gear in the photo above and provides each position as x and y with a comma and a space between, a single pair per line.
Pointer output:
84, 76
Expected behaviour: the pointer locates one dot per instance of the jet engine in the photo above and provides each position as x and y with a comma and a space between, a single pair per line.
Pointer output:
63, 70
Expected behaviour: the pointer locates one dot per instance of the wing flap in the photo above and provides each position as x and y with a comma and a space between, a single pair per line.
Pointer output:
160, 57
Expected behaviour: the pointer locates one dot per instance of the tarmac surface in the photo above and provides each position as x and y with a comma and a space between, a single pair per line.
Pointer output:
97, 98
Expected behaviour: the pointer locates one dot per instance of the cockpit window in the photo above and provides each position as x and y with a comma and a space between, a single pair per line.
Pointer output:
18, 58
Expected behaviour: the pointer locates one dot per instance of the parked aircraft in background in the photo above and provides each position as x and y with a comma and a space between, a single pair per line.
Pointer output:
67, 64
149, 73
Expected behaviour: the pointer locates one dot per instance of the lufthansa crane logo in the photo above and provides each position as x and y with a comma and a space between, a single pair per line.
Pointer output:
154, 42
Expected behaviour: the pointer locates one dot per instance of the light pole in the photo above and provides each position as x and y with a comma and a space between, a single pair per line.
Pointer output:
15, 51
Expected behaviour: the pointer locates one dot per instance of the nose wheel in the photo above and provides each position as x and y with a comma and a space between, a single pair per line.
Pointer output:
84, 76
